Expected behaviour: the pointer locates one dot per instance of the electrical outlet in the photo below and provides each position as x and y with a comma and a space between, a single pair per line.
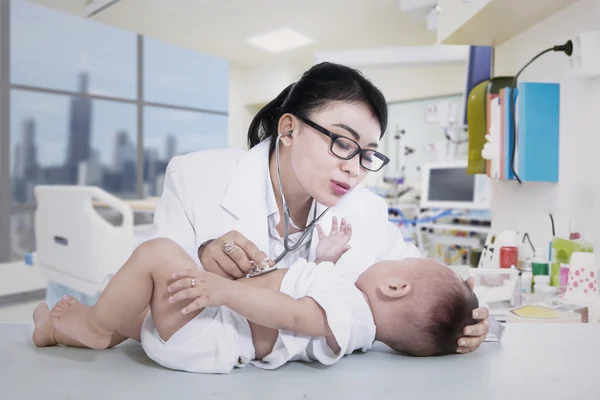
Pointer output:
585, 60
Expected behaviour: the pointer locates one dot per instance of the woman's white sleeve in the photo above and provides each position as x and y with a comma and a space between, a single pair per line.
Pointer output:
171, 220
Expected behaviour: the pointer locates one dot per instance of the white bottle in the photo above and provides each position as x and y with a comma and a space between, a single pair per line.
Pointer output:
542, 288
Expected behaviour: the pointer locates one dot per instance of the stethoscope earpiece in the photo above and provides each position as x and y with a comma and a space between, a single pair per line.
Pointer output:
282, 134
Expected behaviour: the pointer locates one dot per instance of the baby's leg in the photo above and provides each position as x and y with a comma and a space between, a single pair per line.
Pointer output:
141, 281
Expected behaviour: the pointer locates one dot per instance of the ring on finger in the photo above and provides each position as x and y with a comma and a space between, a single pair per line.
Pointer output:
227, 248
192, 282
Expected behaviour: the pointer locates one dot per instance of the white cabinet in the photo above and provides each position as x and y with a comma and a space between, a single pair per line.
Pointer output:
491, 22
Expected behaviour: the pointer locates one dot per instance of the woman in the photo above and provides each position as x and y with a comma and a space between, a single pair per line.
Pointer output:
310, 148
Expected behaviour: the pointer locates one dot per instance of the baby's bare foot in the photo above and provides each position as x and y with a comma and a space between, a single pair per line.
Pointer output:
43, 335
73, 319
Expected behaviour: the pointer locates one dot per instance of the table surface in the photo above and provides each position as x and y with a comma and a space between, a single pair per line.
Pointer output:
535, 361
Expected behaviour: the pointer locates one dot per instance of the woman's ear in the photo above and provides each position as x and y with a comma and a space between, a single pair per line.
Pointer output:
395, 288
286, 126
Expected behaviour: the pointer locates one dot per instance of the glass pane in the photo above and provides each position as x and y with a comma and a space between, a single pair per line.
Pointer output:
179, 76
59, 139
172, 132
71, 140
50, 48
22, 233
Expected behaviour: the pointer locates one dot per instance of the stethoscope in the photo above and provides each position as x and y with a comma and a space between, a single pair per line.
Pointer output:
287, 221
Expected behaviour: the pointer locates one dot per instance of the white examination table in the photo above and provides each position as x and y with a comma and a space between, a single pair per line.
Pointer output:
537, 361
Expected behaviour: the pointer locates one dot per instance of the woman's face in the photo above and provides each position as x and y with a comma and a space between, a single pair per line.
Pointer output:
324, 176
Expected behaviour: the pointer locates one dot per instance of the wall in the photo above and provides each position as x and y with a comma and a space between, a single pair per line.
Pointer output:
250, 89
410, 116
577, 195
240, 114
402, 83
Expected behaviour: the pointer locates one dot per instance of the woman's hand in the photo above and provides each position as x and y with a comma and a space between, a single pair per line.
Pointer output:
205, 289
232, 256
475, 334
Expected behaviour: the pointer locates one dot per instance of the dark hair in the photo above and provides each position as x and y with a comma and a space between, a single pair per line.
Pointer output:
445, 322
320, 85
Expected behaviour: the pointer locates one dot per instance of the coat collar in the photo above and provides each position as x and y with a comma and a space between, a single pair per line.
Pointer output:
247, 199
247, 191
250, 191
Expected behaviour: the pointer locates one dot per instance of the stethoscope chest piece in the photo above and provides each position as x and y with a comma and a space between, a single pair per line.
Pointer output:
258, 272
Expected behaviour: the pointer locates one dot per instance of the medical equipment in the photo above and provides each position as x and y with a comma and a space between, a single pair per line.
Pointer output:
447, 185
76, 246
287, 220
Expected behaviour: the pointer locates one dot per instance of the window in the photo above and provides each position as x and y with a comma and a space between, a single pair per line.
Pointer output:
169, 132
178, 76
49, 48
74, 110
57, 139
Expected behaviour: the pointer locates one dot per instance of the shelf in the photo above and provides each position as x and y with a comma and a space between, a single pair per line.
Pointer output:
450, 240
491, 22
404, 206
457, 227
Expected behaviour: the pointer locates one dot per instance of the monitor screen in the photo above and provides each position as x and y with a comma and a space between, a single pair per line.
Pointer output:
451, 185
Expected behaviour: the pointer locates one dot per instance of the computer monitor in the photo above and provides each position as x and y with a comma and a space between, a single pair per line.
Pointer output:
479, 69
447, 185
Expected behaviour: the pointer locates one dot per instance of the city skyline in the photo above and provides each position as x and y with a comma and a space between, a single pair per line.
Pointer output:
82, 162
194, 131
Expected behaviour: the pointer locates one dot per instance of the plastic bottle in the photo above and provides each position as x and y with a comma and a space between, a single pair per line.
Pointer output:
554, 270
564, 277
527, 277
542, 288
539, 265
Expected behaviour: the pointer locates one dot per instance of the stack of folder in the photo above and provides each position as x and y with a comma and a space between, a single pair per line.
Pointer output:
537, 110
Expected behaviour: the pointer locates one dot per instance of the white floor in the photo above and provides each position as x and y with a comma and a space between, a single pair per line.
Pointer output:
16, 277
18, 312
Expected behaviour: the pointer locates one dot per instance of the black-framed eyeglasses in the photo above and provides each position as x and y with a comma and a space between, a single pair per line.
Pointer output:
346, 148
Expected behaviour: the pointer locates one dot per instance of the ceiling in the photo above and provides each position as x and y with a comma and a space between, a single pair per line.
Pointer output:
221, 27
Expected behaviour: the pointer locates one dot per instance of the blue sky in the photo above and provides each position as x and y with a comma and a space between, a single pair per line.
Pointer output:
49, 49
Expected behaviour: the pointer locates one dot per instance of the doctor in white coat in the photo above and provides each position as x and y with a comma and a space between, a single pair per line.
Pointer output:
310, 148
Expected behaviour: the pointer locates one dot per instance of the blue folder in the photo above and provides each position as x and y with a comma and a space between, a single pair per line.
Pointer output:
538, 114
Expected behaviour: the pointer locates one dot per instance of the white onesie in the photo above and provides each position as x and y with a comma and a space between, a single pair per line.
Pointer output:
218, 340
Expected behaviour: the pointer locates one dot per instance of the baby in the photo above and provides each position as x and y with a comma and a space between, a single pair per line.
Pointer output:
310, 312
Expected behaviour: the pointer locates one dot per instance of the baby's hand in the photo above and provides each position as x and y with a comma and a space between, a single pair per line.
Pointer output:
332, 247
204, 288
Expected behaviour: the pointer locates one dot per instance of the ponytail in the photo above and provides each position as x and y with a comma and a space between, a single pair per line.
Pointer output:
265, 122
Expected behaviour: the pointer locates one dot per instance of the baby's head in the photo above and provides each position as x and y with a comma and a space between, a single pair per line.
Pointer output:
420, 306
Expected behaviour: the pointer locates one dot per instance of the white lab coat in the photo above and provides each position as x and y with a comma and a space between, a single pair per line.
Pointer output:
208, 193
